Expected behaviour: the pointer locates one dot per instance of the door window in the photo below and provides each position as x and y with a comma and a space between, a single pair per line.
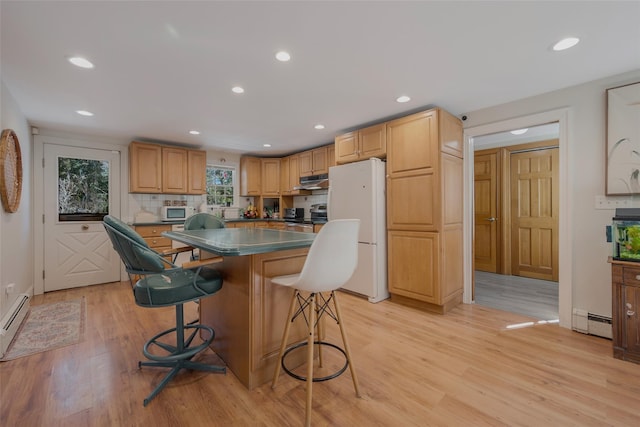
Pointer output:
83, 189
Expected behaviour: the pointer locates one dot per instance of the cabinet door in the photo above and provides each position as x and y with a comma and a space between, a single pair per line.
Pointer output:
346, 148
631, 319
320, 164
372, 142
412, 143
250, 176
305, 163
145, 168
294, 171
174, 170
331, 156
197, 176
413, 265
413, 202
270, 183
285, 188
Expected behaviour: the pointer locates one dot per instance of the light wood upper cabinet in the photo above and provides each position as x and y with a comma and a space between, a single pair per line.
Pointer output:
285, 172
361, 144
145, 168
314, 162
250, 176
174, 170
270, 183
412, 143
155, 168
197, 167
331, 156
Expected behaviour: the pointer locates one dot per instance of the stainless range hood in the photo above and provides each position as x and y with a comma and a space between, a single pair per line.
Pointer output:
313, 182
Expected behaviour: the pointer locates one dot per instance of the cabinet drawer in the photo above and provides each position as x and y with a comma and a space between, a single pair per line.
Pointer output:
152, 230
157, 242
631, 276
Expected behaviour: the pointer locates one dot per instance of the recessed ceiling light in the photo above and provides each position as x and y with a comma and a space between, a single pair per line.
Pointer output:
194, 132
81, 62
266, 145
566, 43
84, 113
403, 98
283, 56
237, 89
519, 131
319, 126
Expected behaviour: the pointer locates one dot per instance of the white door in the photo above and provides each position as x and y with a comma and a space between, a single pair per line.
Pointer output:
80, 186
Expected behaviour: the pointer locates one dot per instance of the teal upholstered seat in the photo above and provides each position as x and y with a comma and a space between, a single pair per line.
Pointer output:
162, 283
201, 221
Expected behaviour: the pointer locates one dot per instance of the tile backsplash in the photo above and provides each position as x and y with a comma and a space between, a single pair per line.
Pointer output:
305, 202
153, 202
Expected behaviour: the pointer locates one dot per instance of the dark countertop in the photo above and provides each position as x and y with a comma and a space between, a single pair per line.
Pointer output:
242, 241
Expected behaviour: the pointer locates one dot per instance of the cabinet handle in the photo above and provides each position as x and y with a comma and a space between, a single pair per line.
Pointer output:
154, 242
630, 313
492, 219
638, 277
85, 227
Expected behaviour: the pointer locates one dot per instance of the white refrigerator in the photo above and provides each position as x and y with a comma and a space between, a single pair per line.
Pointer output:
357, 190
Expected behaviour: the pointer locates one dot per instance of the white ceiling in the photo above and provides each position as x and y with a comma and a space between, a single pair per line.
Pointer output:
163, 68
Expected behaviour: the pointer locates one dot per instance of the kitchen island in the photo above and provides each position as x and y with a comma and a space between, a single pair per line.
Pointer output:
249, 313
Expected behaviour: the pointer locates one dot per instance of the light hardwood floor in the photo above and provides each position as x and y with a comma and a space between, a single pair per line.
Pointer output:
464, 368
515, 294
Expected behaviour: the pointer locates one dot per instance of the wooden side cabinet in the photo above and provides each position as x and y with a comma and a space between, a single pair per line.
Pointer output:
625, 318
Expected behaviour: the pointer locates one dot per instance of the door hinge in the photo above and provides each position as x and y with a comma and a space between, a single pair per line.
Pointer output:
43, 218
42, 274
43, 162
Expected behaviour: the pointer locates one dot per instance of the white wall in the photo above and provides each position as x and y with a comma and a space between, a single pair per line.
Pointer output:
16, 235
591, 283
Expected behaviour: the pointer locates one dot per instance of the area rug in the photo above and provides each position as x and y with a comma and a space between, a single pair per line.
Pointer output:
48, 326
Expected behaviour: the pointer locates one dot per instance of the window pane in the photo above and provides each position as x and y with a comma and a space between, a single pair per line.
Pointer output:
220, 186
83, 189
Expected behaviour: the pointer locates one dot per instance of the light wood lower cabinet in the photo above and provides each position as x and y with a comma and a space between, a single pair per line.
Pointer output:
625, 317
152, 234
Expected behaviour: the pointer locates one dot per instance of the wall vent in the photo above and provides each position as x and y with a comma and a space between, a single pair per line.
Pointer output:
12, 320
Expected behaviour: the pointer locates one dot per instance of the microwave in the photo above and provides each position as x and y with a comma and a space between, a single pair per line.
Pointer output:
176, 213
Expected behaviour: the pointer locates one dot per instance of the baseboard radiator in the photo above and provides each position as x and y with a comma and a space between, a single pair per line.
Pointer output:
12, 321
592, 324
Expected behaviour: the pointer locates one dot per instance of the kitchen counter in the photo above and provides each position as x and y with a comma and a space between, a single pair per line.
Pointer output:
249, 313
134, 224
242, 241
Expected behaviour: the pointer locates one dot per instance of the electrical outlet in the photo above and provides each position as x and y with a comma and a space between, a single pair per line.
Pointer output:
604, 202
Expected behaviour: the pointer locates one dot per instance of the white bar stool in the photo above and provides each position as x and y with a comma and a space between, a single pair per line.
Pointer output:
330, 263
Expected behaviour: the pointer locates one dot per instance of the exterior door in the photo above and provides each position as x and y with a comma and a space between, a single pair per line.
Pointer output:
534, 214
81, 185
486, 210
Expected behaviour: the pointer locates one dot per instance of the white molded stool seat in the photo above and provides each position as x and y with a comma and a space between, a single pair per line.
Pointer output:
330, 263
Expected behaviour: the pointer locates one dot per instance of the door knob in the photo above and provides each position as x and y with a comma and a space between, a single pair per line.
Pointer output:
85, 227
492, 219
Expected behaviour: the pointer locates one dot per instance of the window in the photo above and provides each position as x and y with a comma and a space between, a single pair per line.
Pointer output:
220, 185
83, 189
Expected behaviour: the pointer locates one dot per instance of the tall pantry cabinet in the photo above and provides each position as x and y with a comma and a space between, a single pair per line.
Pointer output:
424, 210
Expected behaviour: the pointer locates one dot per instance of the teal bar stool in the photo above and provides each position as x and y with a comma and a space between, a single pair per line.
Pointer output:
162, 284
202, 221
330, 263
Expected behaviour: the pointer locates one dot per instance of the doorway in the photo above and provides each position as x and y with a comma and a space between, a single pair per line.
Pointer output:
74, 187
516, 221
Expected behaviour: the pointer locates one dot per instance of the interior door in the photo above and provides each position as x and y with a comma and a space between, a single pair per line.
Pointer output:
81, 185
534, 214
486, 220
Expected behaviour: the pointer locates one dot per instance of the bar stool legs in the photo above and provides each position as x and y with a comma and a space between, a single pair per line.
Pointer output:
316, 309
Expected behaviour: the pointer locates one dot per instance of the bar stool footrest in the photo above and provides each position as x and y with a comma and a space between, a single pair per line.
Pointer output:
315, 379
